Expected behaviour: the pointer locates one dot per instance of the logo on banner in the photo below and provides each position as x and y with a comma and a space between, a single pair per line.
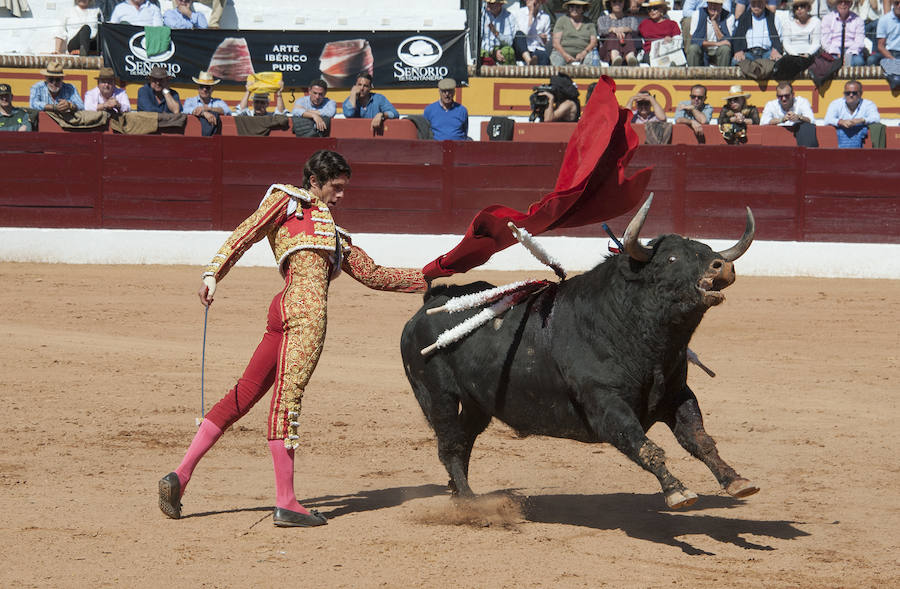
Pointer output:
419, 51
138, 46
418, 55
141, 66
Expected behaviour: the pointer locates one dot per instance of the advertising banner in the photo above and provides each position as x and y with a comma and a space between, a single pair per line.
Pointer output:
396, 59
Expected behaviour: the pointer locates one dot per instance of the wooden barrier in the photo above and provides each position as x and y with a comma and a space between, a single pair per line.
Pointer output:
98, 180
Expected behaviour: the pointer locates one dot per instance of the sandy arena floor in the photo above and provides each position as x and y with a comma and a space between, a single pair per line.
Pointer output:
100, 385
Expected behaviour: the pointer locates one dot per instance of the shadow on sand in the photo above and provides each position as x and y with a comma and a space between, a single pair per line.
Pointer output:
645, 517
333, 506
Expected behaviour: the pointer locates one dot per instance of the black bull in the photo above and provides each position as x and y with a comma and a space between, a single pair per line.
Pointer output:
600, 357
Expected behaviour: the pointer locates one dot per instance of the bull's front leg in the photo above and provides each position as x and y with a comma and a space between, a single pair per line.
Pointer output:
618, 425
687, 425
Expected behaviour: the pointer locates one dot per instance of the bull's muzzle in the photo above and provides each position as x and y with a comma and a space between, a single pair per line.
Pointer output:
718, 276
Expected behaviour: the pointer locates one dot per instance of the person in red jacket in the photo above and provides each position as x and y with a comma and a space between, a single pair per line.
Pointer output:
657, 25
311, 251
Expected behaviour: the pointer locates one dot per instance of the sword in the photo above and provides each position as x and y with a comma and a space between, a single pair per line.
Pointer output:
199, 420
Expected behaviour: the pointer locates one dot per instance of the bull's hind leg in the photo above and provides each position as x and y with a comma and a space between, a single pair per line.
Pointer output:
687, 425
628, 436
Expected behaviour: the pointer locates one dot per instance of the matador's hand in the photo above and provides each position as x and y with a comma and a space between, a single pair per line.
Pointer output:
207, 290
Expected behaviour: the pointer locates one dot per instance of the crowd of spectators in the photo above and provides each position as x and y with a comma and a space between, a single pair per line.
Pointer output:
713, 32
852, 116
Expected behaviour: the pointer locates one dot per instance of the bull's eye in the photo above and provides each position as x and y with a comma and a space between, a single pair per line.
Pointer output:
672, 259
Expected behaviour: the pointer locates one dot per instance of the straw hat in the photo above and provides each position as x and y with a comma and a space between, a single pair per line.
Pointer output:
576, 3
205, 79
653, 3
737, 92
54, 69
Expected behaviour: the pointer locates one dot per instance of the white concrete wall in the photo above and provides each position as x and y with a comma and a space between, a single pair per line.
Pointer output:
765, 258
33, 33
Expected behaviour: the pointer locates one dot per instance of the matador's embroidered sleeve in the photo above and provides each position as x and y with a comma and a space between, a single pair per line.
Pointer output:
361, 267
252, 229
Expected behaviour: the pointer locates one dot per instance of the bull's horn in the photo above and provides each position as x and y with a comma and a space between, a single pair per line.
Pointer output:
630, 242
738, 249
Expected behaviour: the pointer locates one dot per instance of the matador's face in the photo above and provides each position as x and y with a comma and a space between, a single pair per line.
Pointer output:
331, 192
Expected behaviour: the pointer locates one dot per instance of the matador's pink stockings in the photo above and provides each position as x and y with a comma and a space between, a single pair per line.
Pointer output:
206, 436
283, 461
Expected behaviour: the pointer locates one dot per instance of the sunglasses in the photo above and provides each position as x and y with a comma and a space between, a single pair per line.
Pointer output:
780, 96
851, 92
698, 97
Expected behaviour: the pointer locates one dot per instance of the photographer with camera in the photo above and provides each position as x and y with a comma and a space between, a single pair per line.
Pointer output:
556, 102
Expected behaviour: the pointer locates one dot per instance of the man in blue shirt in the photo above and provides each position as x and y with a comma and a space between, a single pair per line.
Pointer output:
852, 115
365, 104
695, 112
205, 107
888, 36
182, 16
54, 95
449, 119
155, 95
316, 106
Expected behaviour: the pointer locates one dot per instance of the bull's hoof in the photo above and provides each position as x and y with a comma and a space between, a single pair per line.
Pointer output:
679, 499
740, 488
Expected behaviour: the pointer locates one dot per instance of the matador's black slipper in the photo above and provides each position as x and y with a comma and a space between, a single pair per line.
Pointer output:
170, 495
285, 518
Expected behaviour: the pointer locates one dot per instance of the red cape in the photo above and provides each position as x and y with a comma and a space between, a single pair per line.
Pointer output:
591, 187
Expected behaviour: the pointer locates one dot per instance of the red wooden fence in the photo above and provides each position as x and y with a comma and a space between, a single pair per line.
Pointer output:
409, 186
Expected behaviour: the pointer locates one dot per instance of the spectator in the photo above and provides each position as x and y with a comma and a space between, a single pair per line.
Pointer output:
793, 113
851, 116
657, 25
205, 107
498, 29
870, 11
617, 35
217, 7
562, 104
316, 106
842, 34
78, 29
688, 8
362, 103
182, 16
533, 34
645, 109
736, 115
574, 38
54, 95
801, 34
888, 45
106, 96
740, 6
710, 37
695, 112
449, 119
155, 95
139, 13
756, 35
11, 118
260, 104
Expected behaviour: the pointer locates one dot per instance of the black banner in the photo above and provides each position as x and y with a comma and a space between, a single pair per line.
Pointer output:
396, 59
